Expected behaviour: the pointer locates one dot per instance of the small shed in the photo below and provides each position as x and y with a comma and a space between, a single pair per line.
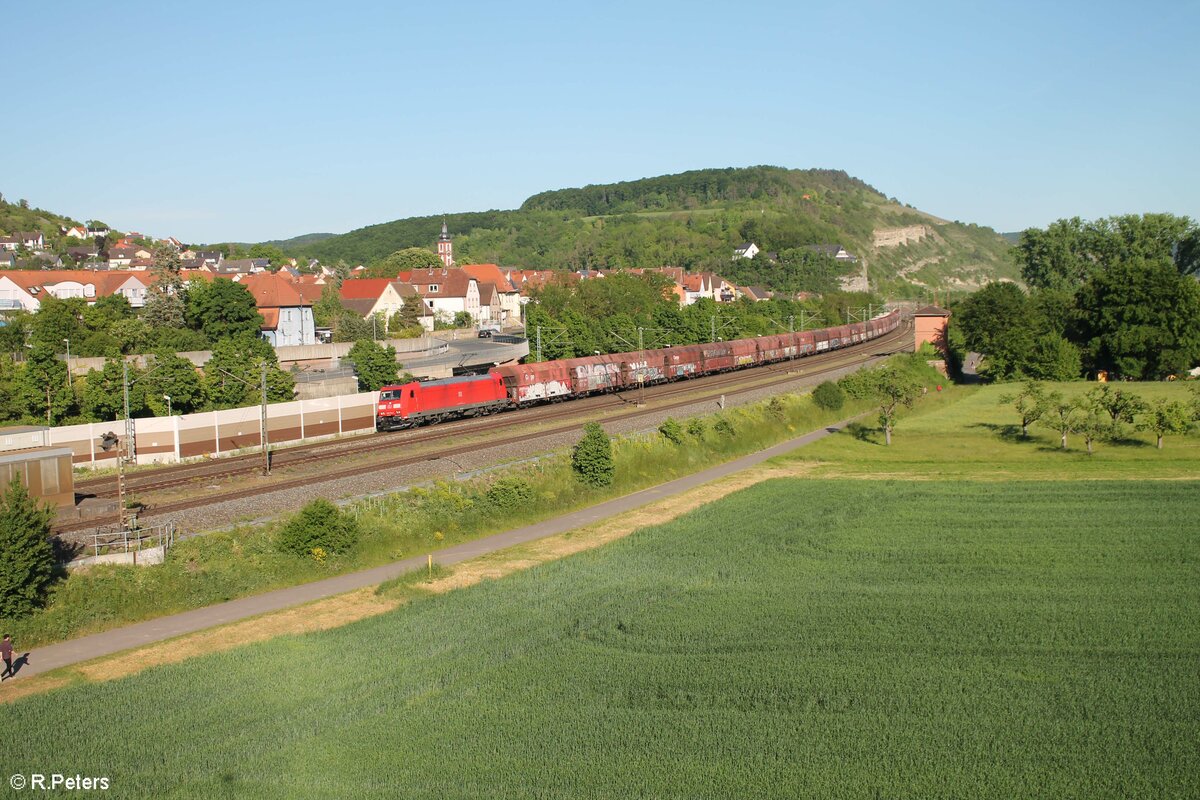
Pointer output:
929, 325
45, 471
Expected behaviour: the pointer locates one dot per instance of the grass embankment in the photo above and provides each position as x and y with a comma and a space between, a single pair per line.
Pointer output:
225, 565
801, 638
968, 433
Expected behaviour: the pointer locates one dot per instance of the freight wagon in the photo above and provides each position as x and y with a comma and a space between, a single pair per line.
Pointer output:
524, 384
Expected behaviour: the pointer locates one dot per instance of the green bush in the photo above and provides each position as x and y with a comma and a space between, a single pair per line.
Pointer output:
320, 526
829, 396
724, 427
777, 408
696, 427
671, 430
510, 493
592, 459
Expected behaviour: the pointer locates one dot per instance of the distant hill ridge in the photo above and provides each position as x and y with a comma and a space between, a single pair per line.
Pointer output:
695, 219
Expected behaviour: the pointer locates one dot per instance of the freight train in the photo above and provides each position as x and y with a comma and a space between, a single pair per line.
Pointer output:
518, 385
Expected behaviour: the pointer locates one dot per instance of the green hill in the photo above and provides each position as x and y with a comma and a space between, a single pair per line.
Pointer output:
695, 220
19, 217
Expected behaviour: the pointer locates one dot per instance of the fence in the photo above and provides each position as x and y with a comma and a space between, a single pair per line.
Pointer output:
216, 433
113, 541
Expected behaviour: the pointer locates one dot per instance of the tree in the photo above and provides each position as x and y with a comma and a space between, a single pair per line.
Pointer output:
1166, 417
374, 364
463, 319
1053, 358
42, 388
329, 306
26, 555
56, 321
997, 322
233, 376
1092, 421
892, 388
173, 375
222, 309
163, 310
104, 392
402, 261
592, 458
1032, 403
1140, 319
1061, 417
1120, 405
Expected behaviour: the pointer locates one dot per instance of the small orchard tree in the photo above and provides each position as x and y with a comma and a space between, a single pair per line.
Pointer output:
1060, 417
1166, 417
1118, 404
892, 388
1032, 403
592, 458
1093, 422
26, 555
671, 430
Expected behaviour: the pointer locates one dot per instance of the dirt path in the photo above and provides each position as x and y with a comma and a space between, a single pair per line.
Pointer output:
333, 612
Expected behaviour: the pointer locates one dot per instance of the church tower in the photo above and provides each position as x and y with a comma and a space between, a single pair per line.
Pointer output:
445, 248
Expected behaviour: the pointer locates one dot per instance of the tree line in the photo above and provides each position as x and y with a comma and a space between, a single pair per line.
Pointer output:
1118, 294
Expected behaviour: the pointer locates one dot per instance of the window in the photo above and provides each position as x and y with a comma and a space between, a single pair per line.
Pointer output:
433, 287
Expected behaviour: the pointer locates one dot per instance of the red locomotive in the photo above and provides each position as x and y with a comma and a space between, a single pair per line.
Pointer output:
406, 405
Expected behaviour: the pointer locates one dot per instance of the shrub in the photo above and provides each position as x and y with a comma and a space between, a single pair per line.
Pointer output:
724, 427
696, 427
829, 396
592, 459
509, 493
320, 525
777, 408
671, 430
26, 555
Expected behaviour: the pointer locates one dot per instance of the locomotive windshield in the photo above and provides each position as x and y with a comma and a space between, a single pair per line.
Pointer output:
391, 394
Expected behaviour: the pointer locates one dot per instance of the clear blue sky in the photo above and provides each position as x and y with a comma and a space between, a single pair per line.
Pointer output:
258, 120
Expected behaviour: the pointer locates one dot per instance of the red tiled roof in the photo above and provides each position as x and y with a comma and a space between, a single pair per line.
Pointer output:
275, 291
488, 273
364, 288
270, 318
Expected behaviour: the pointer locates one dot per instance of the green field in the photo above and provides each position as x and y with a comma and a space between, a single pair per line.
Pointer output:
803, 638
969, 433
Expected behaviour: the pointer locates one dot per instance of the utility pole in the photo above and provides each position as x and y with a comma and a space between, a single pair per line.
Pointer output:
68, 341
266, 444
128, 418
539, 342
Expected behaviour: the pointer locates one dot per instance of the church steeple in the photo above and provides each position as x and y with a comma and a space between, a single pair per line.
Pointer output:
445, 248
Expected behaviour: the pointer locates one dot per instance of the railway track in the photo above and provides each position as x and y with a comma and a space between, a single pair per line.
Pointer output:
688, 393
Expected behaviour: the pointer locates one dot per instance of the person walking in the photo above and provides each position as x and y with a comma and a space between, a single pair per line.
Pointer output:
6, 654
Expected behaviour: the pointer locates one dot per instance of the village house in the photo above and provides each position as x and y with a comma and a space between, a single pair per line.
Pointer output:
506, 295
446, 291
77, 232
32, 240
745, 250
834, 251
25, 288
287, 313
370, 296
9, 243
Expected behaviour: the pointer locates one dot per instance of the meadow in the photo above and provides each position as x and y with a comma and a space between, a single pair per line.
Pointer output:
967, 432
802, 638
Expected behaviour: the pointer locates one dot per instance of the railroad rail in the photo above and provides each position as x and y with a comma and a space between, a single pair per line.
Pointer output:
708, 387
